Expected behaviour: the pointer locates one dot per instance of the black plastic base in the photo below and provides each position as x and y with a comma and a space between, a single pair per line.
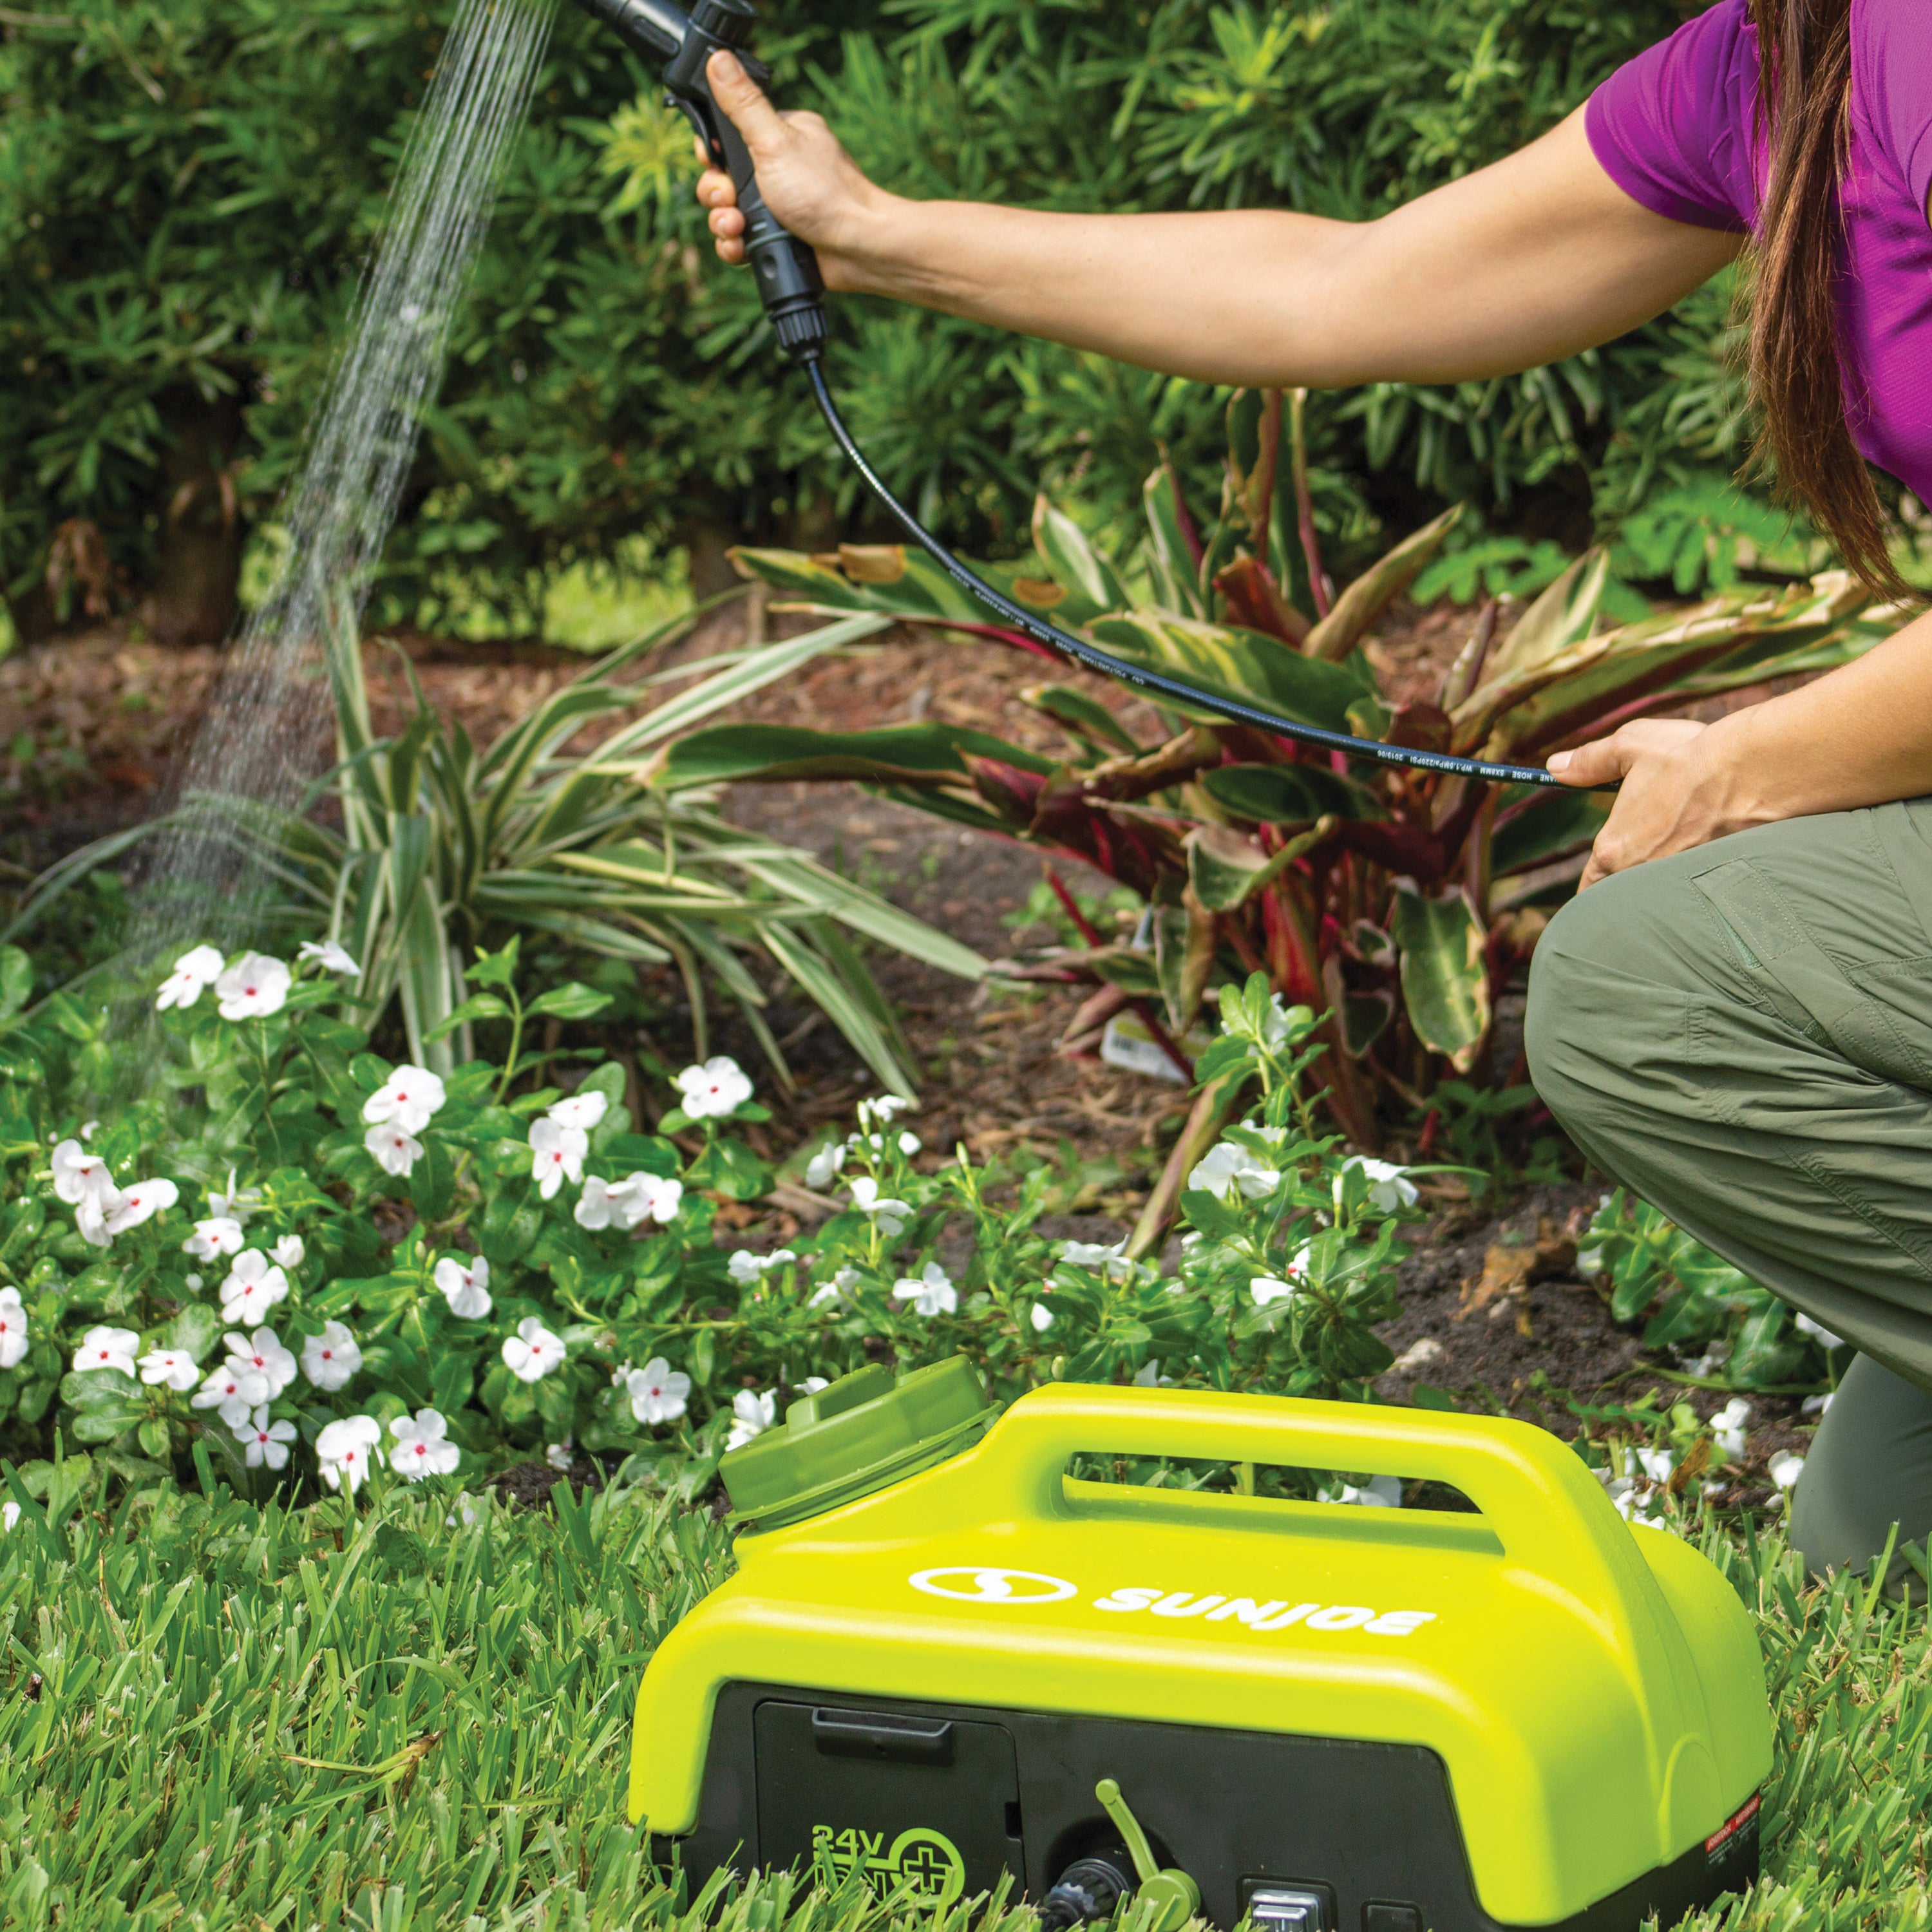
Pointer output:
948, 1796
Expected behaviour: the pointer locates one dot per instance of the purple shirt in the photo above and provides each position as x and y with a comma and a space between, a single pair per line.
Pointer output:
1675, 130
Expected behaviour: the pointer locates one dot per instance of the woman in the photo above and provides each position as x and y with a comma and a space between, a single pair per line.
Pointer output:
1734, 1018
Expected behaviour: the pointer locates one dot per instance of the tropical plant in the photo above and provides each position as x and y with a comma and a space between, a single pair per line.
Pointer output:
443, 848
288, 1245
1400, 902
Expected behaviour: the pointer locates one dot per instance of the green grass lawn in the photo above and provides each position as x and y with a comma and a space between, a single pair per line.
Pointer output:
220, 1716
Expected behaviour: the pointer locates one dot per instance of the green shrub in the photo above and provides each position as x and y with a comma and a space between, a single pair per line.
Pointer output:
188, 189
481, 1266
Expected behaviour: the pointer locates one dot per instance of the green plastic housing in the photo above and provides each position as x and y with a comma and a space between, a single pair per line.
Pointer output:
865, 1430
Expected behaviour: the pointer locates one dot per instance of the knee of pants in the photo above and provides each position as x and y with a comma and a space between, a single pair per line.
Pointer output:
1605, 1005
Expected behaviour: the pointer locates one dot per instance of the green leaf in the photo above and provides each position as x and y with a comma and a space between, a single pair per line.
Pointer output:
1287, 794
1445, 981
729, 1168
1247, 666
16, 980
477, 1006
1552, 824
573, 1000
898, 754
496, 969
1074, 564
193, 1331
1364, 600
433, 1180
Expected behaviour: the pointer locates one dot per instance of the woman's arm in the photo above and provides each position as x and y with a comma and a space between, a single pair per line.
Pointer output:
1525, 261
1857, 736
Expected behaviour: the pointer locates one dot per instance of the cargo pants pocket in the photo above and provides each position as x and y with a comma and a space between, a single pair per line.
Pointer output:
1808, 989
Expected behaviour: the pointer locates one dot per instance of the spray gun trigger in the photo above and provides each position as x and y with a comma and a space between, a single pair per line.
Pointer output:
701, 124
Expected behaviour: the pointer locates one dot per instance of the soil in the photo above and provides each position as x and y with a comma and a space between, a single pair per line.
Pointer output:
92, 727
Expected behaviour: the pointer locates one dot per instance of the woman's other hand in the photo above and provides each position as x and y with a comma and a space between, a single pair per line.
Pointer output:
807, 178
1665, 802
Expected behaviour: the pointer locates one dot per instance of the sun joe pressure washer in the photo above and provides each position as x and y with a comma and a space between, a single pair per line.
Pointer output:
943, 1658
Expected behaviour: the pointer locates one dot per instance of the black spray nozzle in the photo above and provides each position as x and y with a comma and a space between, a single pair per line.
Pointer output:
789, 282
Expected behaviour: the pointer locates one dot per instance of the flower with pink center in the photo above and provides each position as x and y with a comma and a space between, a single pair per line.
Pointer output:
263, 1354
532, 1351
220, 1234
253, 1286
253, 988
141, 1202
331, 1359
395, 1151
581, 1110
711, 1091
194, 971
264, 1444
12, 1328
344, 1451
410, 1099
107, 1348
174, 1368
423, 1448
464, 1282
557, 1155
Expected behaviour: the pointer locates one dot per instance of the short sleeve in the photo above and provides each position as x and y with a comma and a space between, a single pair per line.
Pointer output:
1673, 127
1891, 85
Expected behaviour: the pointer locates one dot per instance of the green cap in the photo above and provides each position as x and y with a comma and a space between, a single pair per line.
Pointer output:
866, 1429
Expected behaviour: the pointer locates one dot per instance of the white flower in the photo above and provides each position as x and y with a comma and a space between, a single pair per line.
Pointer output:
751, 1414
89, 1129
79, 1175
623, 1204
582, 1110
12, 1328
825, 1164
1268, 1289
1042, 1318
464, 1280
910, 1145
330, 1360
742, 1268
932, 1292
289, 1251
263, 1441
141, 1202
229, 1393
175, 1366
1657, 1465
107, 1348
1390, 1186
1377, 1492
1728, 1426
1148, 1375
90, 1216
263, 1354
557, 1155
254, 987
193, 971
395, 1152
409, 1099
1784, 1469
334, 957
812, 1385
194, 1281
1817, 1405
657, 1392
343, 1449
890, 1215
220, 1234
560, 1455
881, 1110
1108, 1260
1228, 1166
837, 1290
1826, 1339
10, 1514
717, 1088
253, 1287
532, 1351
423, 1448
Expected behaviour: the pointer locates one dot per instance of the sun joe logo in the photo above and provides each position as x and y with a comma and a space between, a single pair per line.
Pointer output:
927, 1860
985, 1583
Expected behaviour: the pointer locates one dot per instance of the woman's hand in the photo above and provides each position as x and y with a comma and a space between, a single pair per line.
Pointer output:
1669, 798
807, 178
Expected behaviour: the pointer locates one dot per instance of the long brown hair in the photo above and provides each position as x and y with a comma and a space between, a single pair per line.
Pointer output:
1805, 92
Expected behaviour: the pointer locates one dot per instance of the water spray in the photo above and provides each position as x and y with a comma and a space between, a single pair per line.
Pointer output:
793, 292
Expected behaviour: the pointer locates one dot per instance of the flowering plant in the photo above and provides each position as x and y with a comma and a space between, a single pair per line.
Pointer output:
328, 1268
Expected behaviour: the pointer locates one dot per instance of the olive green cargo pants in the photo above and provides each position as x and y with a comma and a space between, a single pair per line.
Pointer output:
1742, 1035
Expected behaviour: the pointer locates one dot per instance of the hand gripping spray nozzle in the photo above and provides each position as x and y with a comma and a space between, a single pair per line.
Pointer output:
789, 282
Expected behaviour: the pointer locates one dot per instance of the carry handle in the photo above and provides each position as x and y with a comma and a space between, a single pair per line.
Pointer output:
1549, 1513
